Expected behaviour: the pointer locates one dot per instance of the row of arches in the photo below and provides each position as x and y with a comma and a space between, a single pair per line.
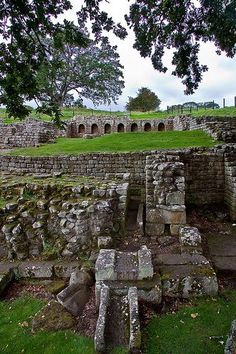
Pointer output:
120, 128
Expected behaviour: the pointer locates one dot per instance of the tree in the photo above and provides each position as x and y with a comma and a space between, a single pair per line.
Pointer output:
23, 25
93, 72
146, 100
179, 25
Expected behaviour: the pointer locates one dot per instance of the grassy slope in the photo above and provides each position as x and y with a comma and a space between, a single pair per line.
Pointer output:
121, 143
68, 113
16, 338
179, 333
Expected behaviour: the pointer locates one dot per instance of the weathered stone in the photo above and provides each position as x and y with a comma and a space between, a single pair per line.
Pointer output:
5, 279
105, 265
99, 338
135, 332
145, 270
82, 277
36, 269
11, 206
153, 296
175, 198
154, 216
173, 214
74, 298
65, 269
190, 236
53, 317
104, 242
154, 229
230, 345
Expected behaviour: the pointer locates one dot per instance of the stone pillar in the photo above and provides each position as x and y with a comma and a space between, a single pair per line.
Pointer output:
165, 195
230, 182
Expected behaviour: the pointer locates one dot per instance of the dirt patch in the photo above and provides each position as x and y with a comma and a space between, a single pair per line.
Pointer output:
35, 289
88, 319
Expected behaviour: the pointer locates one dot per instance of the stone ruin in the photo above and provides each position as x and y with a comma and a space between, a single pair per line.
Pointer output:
71, 213
34, 132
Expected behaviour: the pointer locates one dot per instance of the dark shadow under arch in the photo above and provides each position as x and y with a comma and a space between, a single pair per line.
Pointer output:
94, 129
134, 127
107, 129
161, 127
147, 127
121, 128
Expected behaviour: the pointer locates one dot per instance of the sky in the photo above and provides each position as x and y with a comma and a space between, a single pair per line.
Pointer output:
218, 83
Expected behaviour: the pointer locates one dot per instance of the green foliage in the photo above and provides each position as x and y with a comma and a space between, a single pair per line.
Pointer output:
24, 25
16, 336
145, 101
121, 142
93, 72
180, 333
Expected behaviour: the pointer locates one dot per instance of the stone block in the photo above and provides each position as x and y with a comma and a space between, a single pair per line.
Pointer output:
104, 242
64, 269
190, 236
99, 338
105, 265
74, 298
174, 229
5, 279
230, 345
175, 198
153, 295
145, 267
154, 216
82, 277
173, 214
154, 229
135, 332
36, 269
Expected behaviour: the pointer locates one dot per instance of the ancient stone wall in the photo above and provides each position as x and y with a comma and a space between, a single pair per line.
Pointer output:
230, 181
32, 132
54, 219
219, 128
204, 173
204, 169
165, 194
94, 125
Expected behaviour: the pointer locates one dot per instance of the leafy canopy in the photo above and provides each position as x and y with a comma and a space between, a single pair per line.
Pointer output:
93, 72
180, 25
145, 101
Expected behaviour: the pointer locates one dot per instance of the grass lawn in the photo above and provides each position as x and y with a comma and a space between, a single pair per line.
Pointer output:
205, 332
16, 336
121, 142
69, 113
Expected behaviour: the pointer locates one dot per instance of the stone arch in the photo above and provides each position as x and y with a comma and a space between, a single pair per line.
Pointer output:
134, 127
161, 127
147, 127
107, 128
94, 129
81, 129
120, 128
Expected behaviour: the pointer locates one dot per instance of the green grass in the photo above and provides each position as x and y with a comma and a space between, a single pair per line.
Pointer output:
15, 338
69, 113
179, 333
120, 142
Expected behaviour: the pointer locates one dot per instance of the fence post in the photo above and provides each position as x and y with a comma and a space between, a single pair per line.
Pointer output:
235, 101
223, 102
213, 104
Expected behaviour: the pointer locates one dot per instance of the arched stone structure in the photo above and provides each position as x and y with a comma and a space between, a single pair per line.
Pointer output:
107, 129
147, 127
134, 127
81, 129
94, 129
120, 128
161, 127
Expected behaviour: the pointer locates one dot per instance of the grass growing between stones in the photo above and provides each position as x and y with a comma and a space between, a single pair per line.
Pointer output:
123, 142
16, 336
201, 328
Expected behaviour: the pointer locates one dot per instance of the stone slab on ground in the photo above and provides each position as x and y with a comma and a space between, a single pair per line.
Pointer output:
36, 269
230, 345
64, 269
222, 245
74, 298
222, 249
186, 275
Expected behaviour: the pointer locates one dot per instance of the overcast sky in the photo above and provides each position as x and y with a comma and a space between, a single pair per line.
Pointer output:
218, 83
